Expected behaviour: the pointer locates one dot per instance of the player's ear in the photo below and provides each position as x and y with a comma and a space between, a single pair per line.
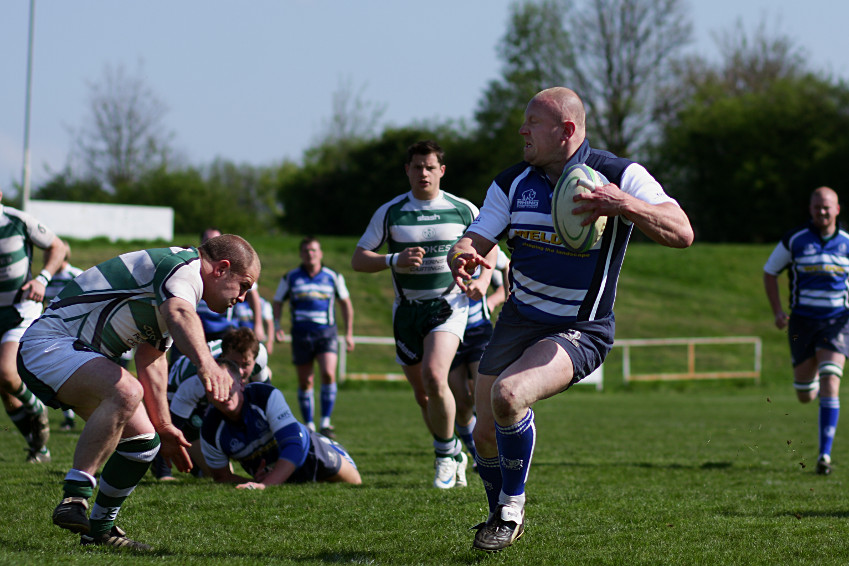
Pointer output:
568, 129
222, 266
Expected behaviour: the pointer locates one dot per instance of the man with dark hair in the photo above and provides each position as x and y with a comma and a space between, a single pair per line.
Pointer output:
312, 290
187, 395
256, 427
140, 300
430, 311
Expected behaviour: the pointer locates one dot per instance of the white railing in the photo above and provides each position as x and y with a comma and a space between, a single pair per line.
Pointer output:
690, 373
625, 344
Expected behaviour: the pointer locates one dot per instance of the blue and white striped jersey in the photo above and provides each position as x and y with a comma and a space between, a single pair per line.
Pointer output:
818, 271
312, 299
550, 283
267, 431
478, 312
186, 392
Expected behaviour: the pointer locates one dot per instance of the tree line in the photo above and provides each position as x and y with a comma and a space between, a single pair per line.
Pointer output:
740, 142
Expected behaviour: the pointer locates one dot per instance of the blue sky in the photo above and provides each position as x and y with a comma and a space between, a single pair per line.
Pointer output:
252, 82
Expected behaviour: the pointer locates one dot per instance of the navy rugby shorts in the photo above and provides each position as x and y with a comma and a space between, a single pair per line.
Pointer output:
807, 335
306, 345
324, 460
473, 345
586, 343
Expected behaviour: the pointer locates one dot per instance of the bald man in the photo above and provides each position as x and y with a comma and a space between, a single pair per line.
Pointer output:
816, 257
557, 326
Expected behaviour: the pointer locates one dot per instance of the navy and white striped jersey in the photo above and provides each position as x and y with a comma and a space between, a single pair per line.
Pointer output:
312, 299
478, 312
518, 206
818, 271
266, 432
186, 392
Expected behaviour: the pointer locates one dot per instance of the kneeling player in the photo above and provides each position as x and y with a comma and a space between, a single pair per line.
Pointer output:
187, 396
255, 426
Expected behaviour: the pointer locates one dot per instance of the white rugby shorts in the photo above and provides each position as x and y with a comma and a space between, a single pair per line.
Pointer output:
53, 359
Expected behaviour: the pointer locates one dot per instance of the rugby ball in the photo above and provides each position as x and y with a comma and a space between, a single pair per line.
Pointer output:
575, 180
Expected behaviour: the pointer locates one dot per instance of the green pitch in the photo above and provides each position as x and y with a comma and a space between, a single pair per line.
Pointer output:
682, 473
659, 477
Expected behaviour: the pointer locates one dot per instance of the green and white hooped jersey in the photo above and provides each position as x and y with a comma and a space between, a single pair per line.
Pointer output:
114, 306
18, 233
434, 225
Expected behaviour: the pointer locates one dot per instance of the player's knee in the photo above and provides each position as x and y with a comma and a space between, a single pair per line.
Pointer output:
128, 394
434, 384
505, 404
806, 391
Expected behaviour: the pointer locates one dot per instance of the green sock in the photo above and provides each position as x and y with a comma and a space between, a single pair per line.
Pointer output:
121, 474
32, 404
72, 488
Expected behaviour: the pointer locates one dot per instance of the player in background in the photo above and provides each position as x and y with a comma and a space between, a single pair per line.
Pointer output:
256, 427
187, 396
21, 297
464, 367
312, 290
68, 357
557, 326
245, 316
60, 279
816, 257
430, 312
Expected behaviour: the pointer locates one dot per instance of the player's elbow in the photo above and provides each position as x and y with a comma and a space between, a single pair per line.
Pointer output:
685, 238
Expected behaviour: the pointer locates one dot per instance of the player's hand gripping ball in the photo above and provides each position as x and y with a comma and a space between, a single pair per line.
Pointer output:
574, 180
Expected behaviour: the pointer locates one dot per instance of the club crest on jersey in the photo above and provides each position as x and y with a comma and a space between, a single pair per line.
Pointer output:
429, 233
528, 199
809, 250
235, 445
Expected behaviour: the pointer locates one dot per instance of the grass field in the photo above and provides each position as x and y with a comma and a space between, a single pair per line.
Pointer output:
717, 472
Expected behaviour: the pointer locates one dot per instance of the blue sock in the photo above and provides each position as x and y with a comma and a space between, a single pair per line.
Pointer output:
307, 403
490, 473
328, 400
829, 414
465, 434
515, 449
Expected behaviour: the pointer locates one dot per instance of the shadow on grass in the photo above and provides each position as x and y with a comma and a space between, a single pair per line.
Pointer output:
645, 465
348, 557
814, 514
